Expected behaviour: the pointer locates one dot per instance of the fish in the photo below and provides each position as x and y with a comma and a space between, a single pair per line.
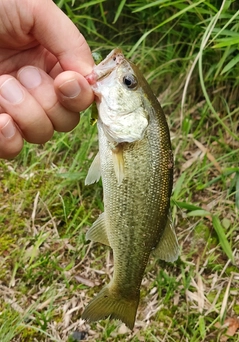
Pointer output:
135, 162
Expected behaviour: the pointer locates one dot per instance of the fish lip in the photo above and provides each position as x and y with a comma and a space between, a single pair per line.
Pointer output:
104, 76
105, 68
93, 78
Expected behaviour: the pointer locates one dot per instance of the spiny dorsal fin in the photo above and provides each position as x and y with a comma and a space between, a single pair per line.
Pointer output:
94, 172
167, 248
97, 231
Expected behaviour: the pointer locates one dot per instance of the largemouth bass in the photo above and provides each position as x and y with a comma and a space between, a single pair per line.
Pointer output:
135, 162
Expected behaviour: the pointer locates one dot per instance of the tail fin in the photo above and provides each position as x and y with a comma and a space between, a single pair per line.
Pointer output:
106, 304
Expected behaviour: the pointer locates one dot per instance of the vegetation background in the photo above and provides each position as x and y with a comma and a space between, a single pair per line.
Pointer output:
188, 51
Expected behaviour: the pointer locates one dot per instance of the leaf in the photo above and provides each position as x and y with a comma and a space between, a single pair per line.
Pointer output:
152, 4
162, 23
232, 325
222, 237
178, 185
237, 190
119, 10
188, 206
234, 188
230, 65
202, 327
226, 42
88, 4
200, 212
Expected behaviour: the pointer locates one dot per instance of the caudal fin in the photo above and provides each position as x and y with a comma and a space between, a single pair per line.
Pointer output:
106, 304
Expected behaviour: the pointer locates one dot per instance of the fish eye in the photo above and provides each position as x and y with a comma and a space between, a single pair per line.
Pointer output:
130, 81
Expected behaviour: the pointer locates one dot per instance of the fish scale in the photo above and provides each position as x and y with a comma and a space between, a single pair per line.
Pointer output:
136, 165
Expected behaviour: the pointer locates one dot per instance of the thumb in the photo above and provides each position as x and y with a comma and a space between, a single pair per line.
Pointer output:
56, 32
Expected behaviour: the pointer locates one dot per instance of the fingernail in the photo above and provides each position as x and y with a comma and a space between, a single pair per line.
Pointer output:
11, 91
70, 88
8, 130
29, 77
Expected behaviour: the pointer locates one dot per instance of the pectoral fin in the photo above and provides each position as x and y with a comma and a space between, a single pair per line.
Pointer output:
94, 172
167, 248
118, 162
97, 232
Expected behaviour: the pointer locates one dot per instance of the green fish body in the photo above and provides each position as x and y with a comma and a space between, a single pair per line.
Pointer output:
135, 162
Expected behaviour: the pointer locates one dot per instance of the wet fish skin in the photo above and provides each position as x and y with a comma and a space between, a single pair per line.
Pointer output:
136, 166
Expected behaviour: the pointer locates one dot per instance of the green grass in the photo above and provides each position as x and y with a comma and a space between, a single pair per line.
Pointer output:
189, 53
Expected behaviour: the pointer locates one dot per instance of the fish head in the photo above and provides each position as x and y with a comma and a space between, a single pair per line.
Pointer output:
120, 100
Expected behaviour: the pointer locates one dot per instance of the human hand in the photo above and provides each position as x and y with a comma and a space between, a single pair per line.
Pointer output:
43, 61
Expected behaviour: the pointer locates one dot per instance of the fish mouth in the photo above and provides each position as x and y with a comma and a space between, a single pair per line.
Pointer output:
101, 77
98, 76
104, 69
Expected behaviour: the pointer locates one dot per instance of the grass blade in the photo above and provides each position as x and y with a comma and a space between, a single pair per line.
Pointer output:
174, 16
119, 10
222, 237
237, 190
201, 212
230, 65
152, 4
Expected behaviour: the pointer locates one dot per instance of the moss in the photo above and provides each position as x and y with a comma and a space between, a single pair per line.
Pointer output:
30, 335
202, 231
236, 309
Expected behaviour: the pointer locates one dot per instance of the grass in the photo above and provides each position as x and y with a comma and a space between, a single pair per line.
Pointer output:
48, 272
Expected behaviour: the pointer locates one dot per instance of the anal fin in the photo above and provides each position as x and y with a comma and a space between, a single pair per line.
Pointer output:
97, 231
167, 248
